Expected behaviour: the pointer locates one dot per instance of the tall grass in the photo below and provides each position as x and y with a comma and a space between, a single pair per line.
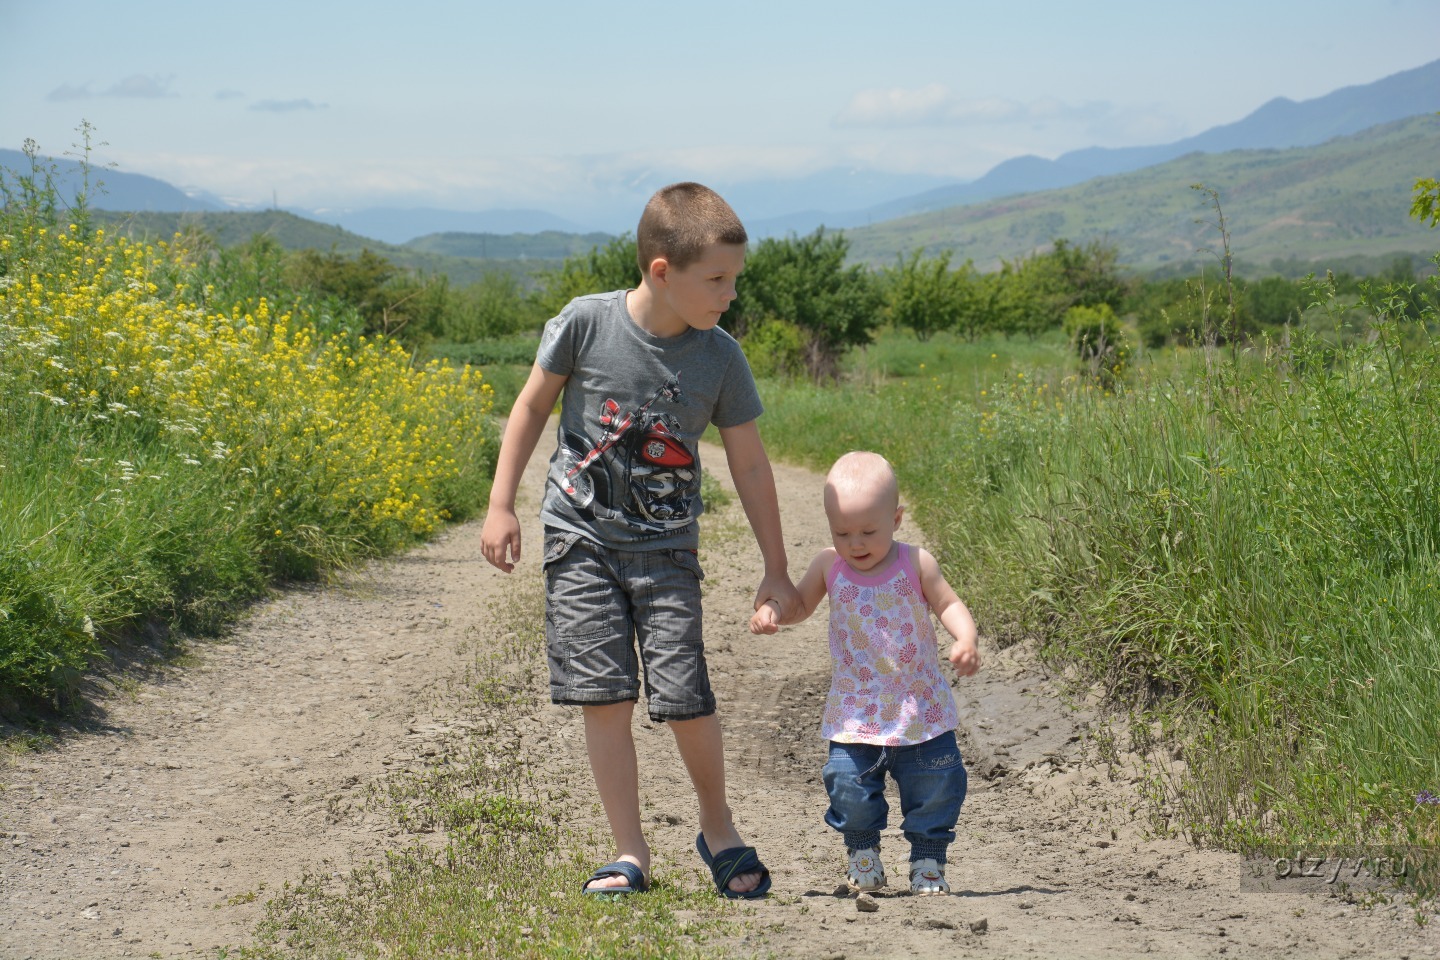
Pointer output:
1245, 546
161, 461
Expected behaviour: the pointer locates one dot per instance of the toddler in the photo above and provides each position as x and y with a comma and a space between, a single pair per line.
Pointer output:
889, 708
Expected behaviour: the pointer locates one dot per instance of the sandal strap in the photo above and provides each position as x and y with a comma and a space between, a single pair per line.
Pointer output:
633, 875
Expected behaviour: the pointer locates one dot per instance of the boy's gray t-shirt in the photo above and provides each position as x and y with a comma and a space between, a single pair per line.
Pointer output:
626, 471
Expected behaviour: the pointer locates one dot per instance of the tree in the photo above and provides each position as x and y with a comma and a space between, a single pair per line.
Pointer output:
390, 303
804, 281
926, 296
494, 306
1427, 201
1271, 302
613, 266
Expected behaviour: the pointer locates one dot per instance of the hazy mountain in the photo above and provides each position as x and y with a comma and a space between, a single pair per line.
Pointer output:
1278, 124
116, 190
399, 225
837, 198
547, 245
1347, 197
757, 201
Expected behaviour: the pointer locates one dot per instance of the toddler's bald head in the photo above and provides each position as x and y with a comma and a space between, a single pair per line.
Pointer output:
861, 478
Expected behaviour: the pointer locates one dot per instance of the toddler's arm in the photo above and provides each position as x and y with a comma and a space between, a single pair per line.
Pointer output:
954, 616
500, 536
811, 590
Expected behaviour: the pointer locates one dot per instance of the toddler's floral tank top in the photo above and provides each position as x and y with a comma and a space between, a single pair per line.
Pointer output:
886, 687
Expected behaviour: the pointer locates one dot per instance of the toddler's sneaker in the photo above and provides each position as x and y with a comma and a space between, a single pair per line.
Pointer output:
928, 876
865, 871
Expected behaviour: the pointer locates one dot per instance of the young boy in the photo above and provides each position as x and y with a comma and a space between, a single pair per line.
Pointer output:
643, 372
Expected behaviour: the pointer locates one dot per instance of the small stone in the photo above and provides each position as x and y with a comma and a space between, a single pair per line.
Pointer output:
866, 903
935, 923
979, 926
1027, 905
843, 890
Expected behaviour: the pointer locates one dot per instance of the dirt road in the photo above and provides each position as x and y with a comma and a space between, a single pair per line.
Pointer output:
160, 829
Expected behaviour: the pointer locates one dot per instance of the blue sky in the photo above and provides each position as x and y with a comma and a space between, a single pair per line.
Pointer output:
568, 106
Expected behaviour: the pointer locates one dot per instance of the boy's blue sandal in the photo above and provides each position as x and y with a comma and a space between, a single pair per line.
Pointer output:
634, 878
733, 863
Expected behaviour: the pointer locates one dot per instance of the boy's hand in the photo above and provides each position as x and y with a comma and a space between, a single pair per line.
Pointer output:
500, 538
766, 619
965, 658
778, 587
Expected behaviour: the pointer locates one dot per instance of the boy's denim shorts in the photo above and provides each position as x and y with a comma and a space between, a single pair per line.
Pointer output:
599, 602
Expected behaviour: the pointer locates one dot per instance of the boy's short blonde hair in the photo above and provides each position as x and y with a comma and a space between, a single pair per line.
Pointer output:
680, 222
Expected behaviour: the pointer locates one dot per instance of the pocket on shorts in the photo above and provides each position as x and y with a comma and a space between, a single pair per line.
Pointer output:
689, 560
557, 544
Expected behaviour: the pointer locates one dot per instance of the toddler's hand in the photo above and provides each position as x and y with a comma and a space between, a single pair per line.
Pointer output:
965, 658
782, 591
766, 619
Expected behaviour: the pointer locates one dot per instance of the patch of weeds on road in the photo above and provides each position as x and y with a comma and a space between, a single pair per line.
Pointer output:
494, 870
19, 742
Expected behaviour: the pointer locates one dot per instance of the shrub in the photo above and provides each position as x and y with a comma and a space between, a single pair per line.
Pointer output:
1099, 341
775, 348
162, 459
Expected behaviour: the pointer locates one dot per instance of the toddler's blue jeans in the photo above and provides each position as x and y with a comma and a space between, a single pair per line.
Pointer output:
931, 780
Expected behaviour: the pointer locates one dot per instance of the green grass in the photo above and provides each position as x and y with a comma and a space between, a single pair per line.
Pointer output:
1248, 549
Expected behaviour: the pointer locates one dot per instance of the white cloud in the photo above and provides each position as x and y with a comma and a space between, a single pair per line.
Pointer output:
287, 106
67, 91
137, 86
936, 105
142, 87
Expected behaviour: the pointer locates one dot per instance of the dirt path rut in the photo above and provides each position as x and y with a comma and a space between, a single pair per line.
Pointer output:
161, 828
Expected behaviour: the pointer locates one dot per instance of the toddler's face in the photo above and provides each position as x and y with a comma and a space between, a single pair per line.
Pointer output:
862, 528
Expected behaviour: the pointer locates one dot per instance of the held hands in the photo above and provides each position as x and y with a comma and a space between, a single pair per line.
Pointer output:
965, 657
775, 596
767, 618
500, 539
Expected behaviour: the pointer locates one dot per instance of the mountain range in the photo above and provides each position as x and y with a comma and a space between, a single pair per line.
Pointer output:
1279, 124
840, 199
1286, 211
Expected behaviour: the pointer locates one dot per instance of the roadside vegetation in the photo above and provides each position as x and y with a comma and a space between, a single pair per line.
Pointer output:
178, 431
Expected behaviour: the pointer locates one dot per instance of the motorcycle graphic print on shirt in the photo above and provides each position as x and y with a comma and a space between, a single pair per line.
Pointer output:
638, 468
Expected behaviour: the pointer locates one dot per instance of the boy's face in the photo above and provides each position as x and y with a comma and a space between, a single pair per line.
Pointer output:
862, 528
701, 292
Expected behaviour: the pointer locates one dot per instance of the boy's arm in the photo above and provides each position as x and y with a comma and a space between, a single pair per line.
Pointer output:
500, 537
811, 589
755, 482
954, 616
